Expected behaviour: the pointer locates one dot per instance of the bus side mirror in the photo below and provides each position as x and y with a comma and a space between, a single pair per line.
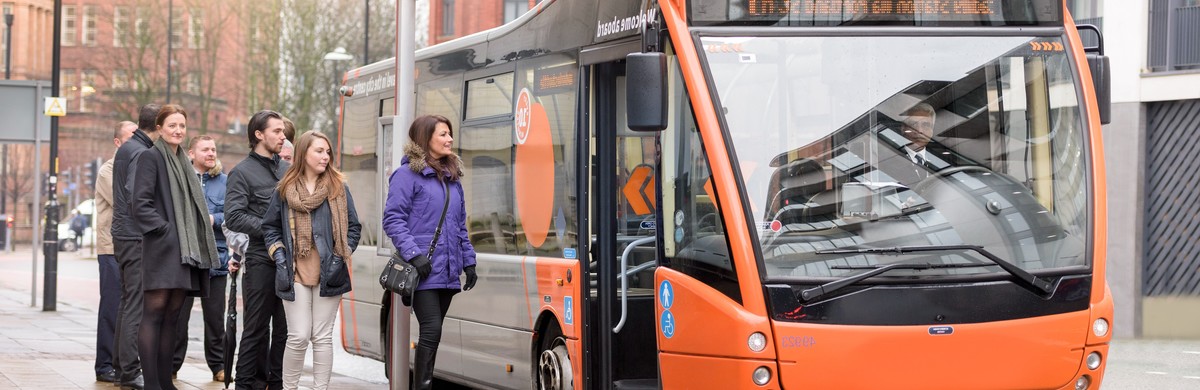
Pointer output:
1102, 83
646, 91
1098, 64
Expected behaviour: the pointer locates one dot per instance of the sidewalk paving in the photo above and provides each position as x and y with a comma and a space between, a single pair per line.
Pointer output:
57, 349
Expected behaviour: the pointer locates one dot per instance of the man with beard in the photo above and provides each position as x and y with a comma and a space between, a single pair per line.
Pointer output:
251, 182
203, 152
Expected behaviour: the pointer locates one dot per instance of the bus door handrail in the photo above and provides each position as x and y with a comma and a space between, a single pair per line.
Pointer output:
637, 268
625, 281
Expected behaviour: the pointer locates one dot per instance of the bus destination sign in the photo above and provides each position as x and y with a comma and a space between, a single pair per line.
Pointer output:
877, 12
838, 8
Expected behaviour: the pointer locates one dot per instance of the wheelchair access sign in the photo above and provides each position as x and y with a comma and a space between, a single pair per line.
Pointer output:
666, 298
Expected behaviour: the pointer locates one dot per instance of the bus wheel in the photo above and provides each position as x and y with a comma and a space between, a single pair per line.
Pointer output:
554, 364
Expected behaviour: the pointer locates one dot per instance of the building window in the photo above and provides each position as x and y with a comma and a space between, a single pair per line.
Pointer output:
447, 17
177, 30
513, 9
141, 26
119, 80
70, 25
87, 88
120, 26
196, 26
89, 25
68, 87
192, 85
1173, 43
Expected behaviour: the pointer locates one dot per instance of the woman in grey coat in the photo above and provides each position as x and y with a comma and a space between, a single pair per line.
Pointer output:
178, 247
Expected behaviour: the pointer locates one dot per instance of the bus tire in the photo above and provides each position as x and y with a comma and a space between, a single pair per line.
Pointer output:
554, 370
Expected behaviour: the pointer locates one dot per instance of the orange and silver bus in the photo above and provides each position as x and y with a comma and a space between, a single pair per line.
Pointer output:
725, 194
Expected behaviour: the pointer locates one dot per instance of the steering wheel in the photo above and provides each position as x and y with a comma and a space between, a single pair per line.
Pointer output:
708, 223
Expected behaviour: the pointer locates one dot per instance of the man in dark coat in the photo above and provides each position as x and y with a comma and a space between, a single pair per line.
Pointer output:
248, 192
127, 243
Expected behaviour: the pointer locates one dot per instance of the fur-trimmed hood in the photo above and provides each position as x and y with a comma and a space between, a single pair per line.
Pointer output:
414, 156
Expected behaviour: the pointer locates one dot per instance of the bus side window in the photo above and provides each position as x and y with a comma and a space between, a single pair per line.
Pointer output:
695, 240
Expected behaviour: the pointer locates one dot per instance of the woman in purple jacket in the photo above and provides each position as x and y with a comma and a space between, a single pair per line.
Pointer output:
417, 194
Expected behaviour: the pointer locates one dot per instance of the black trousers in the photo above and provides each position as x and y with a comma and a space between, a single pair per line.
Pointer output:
129, 313
213, 311
110, 302
430, 307
264, 334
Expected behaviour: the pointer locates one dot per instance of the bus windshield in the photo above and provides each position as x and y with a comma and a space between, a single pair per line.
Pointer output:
875, 142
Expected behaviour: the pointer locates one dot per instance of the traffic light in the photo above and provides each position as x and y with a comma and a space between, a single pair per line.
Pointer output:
66, 176
89, 173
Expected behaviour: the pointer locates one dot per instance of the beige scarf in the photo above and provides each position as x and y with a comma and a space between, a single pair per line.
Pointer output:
302, 207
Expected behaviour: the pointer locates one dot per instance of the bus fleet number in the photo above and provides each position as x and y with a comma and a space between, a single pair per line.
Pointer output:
799, 341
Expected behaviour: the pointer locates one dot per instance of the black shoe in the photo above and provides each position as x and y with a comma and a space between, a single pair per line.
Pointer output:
135, 384
109, 376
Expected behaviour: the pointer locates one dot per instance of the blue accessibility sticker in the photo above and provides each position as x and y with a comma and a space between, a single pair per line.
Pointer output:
568, 311
667, 324
666, 294
569, 253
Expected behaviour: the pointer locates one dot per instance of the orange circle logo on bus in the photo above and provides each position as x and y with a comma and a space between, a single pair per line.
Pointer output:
533, 169
521, 116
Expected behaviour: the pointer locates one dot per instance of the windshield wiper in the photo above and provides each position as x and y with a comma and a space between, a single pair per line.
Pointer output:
1022, 277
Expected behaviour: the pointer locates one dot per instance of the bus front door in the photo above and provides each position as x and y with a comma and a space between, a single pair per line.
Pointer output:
620, 344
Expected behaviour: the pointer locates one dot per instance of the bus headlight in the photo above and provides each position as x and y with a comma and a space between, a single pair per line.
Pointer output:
1100, 327
1083, 382
762, 376
1093, 360
757, 342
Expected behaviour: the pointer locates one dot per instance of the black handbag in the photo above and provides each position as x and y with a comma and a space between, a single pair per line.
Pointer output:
401, 277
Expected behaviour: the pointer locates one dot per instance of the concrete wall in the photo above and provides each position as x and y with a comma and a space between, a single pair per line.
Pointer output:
1124, 155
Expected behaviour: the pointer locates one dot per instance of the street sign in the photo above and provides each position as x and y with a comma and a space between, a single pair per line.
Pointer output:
20, 103
56, 106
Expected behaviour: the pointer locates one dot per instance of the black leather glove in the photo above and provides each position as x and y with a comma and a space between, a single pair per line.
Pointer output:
423, 266
282, 282
471, 278
279, 257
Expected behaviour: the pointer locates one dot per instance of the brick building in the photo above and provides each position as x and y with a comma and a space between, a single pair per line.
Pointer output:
450, 19
32, 29
114, 59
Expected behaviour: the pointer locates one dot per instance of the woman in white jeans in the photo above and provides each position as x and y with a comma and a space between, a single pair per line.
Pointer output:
311, 229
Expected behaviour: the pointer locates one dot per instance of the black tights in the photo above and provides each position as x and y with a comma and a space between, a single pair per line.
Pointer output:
157, 335
431, 306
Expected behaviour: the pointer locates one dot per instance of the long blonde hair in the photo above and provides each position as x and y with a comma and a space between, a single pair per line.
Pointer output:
332, 177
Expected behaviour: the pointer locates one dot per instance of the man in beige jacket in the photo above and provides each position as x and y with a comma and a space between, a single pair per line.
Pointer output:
110, 273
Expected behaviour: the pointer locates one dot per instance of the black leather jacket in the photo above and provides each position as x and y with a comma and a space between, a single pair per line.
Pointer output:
247, 194
335, 273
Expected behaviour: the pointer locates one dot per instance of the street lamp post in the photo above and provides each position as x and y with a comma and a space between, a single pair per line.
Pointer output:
366, 32
8, 21
170, 43
337, 55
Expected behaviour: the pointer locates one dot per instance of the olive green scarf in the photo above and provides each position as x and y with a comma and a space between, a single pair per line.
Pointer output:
197, 245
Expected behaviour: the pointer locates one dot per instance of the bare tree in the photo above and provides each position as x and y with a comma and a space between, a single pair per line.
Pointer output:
264, 27
287, 44
18, 181
135, 64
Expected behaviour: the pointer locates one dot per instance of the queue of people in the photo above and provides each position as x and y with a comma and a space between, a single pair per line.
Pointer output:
165, 210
